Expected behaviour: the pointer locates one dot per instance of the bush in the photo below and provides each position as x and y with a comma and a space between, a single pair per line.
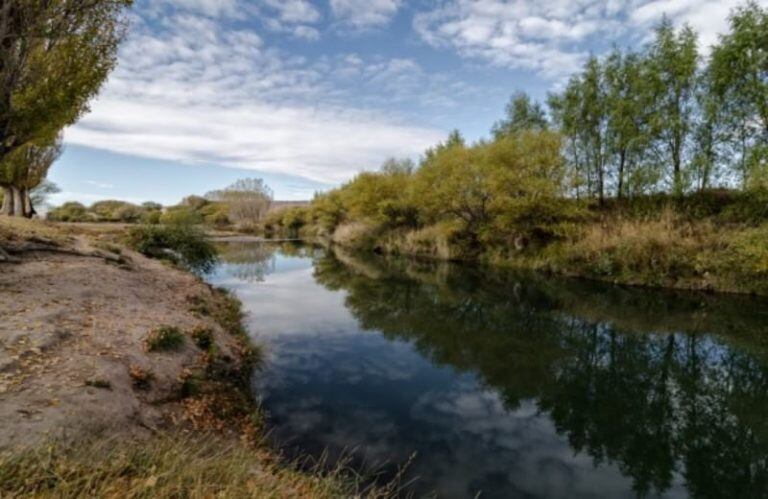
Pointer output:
69, 212
164, 339
181, 215
183, 244
203, 338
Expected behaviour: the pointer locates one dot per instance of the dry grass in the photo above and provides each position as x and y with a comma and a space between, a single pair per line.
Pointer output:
668, 250
168, 466
14, 229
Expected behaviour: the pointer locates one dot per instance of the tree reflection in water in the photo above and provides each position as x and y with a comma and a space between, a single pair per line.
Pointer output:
659, 383
507, 383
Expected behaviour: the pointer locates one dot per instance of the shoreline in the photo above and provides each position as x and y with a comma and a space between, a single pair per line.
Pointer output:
733, 264
85, 362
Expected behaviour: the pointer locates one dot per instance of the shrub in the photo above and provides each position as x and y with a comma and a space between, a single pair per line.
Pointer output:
69, 212
184, 244
164, 339
181, 215
203, 338
151, 217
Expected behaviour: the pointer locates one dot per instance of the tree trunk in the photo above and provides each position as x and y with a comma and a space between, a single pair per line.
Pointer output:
18, 203
678, 177
7, 201
29, 210
622, 161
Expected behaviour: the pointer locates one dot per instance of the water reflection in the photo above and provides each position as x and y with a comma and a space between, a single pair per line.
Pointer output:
512, 385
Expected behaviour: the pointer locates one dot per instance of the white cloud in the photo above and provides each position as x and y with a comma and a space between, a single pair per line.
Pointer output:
362, 14
190, 91
294, 11
552, 38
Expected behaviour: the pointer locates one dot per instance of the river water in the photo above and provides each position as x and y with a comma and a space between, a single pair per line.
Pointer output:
503, 384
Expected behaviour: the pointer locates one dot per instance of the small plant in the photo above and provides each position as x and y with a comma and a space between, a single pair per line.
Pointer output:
199, 305
164, 339
192, 385
142, 378
204, 339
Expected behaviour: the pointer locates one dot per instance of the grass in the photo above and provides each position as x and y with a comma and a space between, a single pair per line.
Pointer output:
165, 339
704, 242
168, 466
203, 338
13, 229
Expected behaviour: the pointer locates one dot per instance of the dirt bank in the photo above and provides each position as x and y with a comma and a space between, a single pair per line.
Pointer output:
73, 353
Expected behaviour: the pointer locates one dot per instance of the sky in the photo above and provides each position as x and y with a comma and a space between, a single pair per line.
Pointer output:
307, 93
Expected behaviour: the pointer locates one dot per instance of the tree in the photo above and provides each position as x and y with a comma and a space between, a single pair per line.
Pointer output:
565, 109
739, 74
522, 114
673, 61
627, 127
23, 170
40, 194
54, 56
248, 200
593, 116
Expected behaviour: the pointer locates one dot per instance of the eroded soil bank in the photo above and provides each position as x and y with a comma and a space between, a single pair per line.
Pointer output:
73, 352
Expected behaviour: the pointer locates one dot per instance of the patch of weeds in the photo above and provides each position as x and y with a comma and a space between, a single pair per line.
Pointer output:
229, 313
164, 339
204, 339
199, 305
192, 384
99, 383
142, 378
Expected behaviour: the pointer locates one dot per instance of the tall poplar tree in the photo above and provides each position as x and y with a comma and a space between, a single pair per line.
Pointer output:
54, 57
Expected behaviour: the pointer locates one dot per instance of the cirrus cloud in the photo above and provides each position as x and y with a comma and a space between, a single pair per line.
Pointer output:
188, 90
553, 38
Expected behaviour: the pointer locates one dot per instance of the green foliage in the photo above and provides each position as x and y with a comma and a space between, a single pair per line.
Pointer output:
69, 212
203, 338
107, 211
180, 243
164, 339
181, 215
522, 114
55, 56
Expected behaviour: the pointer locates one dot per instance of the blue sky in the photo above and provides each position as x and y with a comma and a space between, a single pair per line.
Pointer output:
306, 94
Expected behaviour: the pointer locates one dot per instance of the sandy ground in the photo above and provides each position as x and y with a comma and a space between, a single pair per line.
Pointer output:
72, 332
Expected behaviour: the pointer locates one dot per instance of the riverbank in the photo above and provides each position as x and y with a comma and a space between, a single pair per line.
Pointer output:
697, 244
122, 373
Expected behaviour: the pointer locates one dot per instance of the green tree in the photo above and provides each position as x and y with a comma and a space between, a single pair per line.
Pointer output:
22, 171
522, 114
673, 61
627, 127
54, 56
739, 73
593, 115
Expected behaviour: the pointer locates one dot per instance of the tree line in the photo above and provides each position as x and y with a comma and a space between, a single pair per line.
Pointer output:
665, 118
664, 122
54, 57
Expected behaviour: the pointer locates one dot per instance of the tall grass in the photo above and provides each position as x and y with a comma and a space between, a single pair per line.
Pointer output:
168, 466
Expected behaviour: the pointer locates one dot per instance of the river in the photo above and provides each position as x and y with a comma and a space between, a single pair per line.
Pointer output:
505, 384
